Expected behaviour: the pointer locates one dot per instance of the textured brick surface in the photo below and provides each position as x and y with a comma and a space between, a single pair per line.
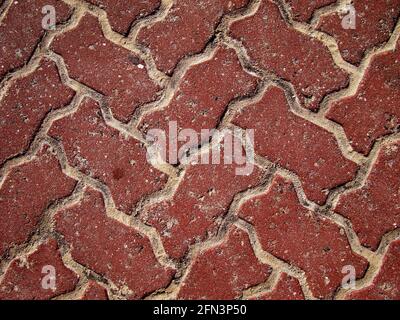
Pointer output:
309, 67
374, 209
303, 10
186, 30
104, 153
198, 106
26, 104
375, 20
198, 205
106, 67
80, 191
296, 144
111, 248
374, 111
94, 291
386, 284
123, 14
21, 209
295, 234
288, 288
21, 31
224, 271
23, 279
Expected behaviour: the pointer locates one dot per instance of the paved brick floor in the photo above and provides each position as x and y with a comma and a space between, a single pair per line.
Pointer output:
87, 213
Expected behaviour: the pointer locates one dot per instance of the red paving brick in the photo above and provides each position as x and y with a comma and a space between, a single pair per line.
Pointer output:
224, 271
24, 279
21, 31
201, 200
94, 291
122, 165
287, 288
296, 144
386, 284
21, 209
309, 67
26, 104
374, 209
110, 248
136, 229
375, 21
303, 10
299, 236
106, 67
123, 14
374, 111
198, 106
186, 30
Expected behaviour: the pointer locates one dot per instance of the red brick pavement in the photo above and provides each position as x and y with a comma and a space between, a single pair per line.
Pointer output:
86, 211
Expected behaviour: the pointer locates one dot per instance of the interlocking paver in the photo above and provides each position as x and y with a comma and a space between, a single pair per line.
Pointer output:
302, 238
374, 209
110, 248
26, 104
84, 105
374, 111
287, 288
374, 23
26, 279
21, 209
198, 106
386, 284
224, 271
123, 14
106, 67
296, 144
195, 211
94, 291
276, 47
303, 10
190, 24
106, 154
21, 31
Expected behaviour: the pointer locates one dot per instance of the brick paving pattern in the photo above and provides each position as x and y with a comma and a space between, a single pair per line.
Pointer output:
80, 196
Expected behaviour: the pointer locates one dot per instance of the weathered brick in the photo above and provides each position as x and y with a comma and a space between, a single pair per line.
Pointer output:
302, 238
111, 249
199, 106
21, 31
122, 14
197, 208
106, 67
105, 154
386, 285
201, 200
269, 41
224, 271
26, 104
374, 209
22, 209
296, 144
185, 31
302, 10
94, 291
375, 21
288, 288
24, 278
374, 111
